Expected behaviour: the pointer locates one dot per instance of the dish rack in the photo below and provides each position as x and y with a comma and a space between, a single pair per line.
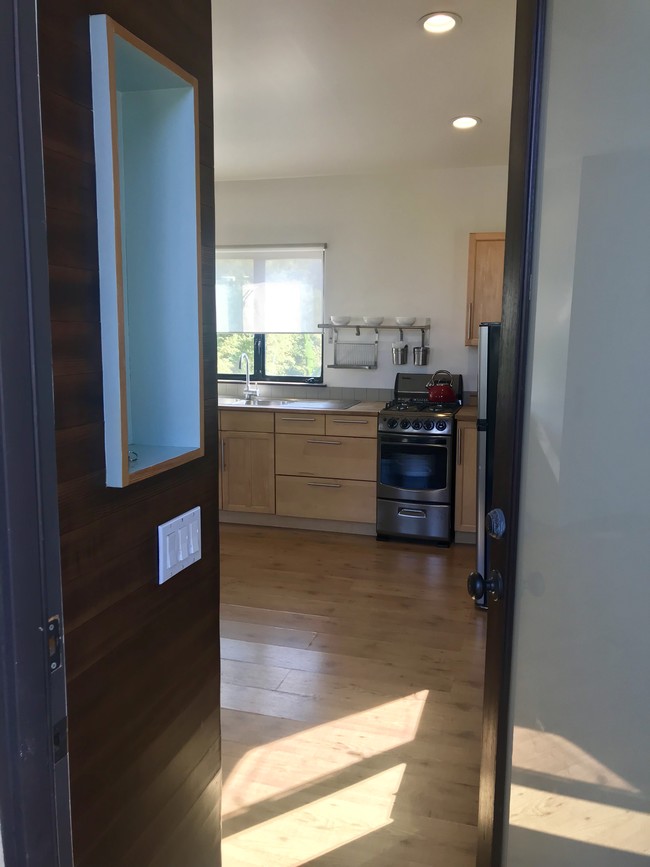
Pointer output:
359, 356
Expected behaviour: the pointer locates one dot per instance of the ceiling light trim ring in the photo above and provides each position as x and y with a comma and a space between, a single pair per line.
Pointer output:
464, 124
454, 17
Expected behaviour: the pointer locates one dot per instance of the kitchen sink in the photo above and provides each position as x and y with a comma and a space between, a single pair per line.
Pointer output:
292, 402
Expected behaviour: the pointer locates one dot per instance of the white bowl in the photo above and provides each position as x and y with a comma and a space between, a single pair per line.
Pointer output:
405, 321
373, 320
340, 320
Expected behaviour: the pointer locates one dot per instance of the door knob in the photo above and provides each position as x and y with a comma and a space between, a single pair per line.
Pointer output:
495, 523
478, 586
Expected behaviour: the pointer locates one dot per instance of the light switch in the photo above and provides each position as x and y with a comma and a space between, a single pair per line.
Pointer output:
195, 536
171, 542
184, 534
179, 544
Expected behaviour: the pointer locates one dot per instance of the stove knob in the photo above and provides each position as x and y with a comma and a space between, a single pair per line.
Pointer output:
416, 424
392, 422
405, 423
441, 425
428, 424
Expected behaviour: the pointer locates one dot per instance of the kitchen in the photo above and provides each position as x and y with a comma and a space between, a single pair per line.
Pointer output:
397, 232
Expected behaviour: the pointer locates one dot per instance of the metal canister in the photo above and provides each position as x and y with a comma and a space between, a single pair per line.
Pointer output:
421, 356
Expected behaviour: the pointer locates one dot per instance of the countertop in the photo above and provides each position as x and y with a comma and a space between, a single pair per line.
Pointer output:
364, 407
467, 413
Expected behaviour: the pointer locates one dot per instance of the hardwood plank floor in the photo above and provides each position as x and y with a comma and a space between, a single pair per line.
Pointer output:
352, 687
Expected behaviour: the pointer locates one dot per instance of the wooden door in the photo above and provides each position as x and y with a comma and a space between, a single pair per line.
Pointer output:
484, 281
142, 658
248, 472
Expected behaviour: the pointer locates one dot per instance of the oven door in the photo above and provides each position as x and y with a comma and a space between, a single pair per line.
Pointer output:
415, 468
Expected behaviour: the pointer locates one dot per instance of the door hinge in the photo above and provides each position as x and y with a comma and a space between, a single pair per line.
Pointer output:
54, 655
60, 739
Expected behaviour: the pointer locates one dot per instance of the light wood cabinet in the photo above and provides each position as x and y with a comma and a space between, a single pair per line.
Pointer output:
327, 499
247, 478
247, 472
299, 464
299, 423
339, 457
466, 454
484, 281
346, 425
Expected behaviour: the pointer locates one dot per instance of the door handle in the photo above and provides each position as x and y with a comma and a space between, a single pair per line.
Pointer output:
412, 513
349, 421
324, 442
478, 586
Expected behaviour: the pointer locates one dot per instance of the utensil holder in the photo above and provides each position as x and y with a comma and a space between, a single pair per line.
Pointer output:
400, 354
420, 356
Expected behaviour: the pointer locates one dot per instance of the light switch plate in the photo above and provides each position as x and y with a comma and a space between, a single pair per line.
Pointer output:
179, 544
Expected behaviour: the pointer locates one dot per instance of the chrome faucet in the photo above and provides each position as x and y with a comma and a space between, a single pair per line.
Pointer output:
250, 391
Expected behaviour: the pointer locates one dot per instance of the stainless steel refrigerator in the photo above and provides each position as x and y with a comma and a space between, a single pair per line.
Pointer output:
488, 366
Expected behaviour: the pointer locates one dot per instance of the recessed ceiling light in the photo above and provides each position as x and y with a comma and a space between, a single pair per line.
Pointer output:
440, 22
465, 122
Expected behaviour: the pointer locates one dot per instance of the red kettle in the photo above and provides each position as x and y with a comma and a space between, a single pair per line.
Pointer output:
440, 388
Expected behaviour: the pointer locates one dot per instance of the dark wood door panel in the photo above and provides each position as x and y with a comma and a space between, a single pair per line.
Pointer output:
143, 685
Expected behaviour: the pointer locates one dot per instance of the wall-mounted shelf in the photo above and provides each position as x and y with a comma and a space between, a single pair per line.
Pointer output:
358, 327
355, 356
146, 155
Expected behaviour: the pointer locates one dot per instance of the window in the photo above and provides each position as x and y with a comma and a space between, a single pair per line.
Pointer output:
269, 303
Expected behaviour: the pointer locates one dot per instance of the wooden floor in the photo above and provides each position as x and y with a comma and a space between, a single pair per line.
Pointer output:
352, 688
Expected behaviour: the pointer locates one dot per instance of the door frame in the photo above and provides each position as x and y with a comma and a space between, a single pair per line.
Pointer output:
34, 789
513, 356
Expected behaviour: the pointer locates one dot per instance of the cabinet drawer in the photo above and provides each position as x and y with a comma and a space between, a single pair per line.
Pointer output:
299, 423
337, 457
351, 426
329, 499
247, 420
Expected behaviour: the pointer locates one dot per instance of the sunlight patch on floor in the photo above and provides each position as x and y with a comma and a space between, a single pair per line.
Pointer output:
331, 747
580, 820
551, 754
298, 836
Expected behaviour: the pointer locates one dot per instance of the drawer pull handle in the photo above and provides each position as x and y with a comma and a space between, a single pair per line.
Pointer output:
295, 418
325, 442
322, 485
412, 513
350, 421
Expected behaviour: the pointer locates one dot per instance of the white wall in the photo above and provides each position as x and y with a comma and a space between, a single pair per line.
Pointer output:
397, 245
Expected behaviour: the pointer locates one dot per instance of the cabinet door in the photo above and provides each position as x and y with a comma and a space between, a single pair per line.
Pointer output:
484, 281
466, 448
247, 472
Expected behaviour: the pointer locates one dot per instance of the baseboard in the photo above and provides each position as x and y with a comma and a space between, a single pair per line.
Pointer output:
465, 538
297, 523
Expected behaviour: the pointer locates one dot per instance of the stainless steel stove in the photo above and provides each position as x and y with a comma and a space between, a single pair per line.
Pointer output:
415, 477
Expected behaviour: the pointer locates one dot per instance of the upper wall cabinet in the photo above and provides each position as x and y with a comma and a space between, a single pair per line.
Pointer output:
484, 281
146, 154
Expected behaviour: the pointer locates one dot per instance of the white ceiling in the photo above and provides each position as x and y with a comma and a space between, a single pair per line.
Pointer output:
331, 87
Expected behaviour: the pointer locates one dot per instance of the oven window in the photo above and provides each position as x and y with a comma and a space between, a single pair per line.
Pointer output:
413, 467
